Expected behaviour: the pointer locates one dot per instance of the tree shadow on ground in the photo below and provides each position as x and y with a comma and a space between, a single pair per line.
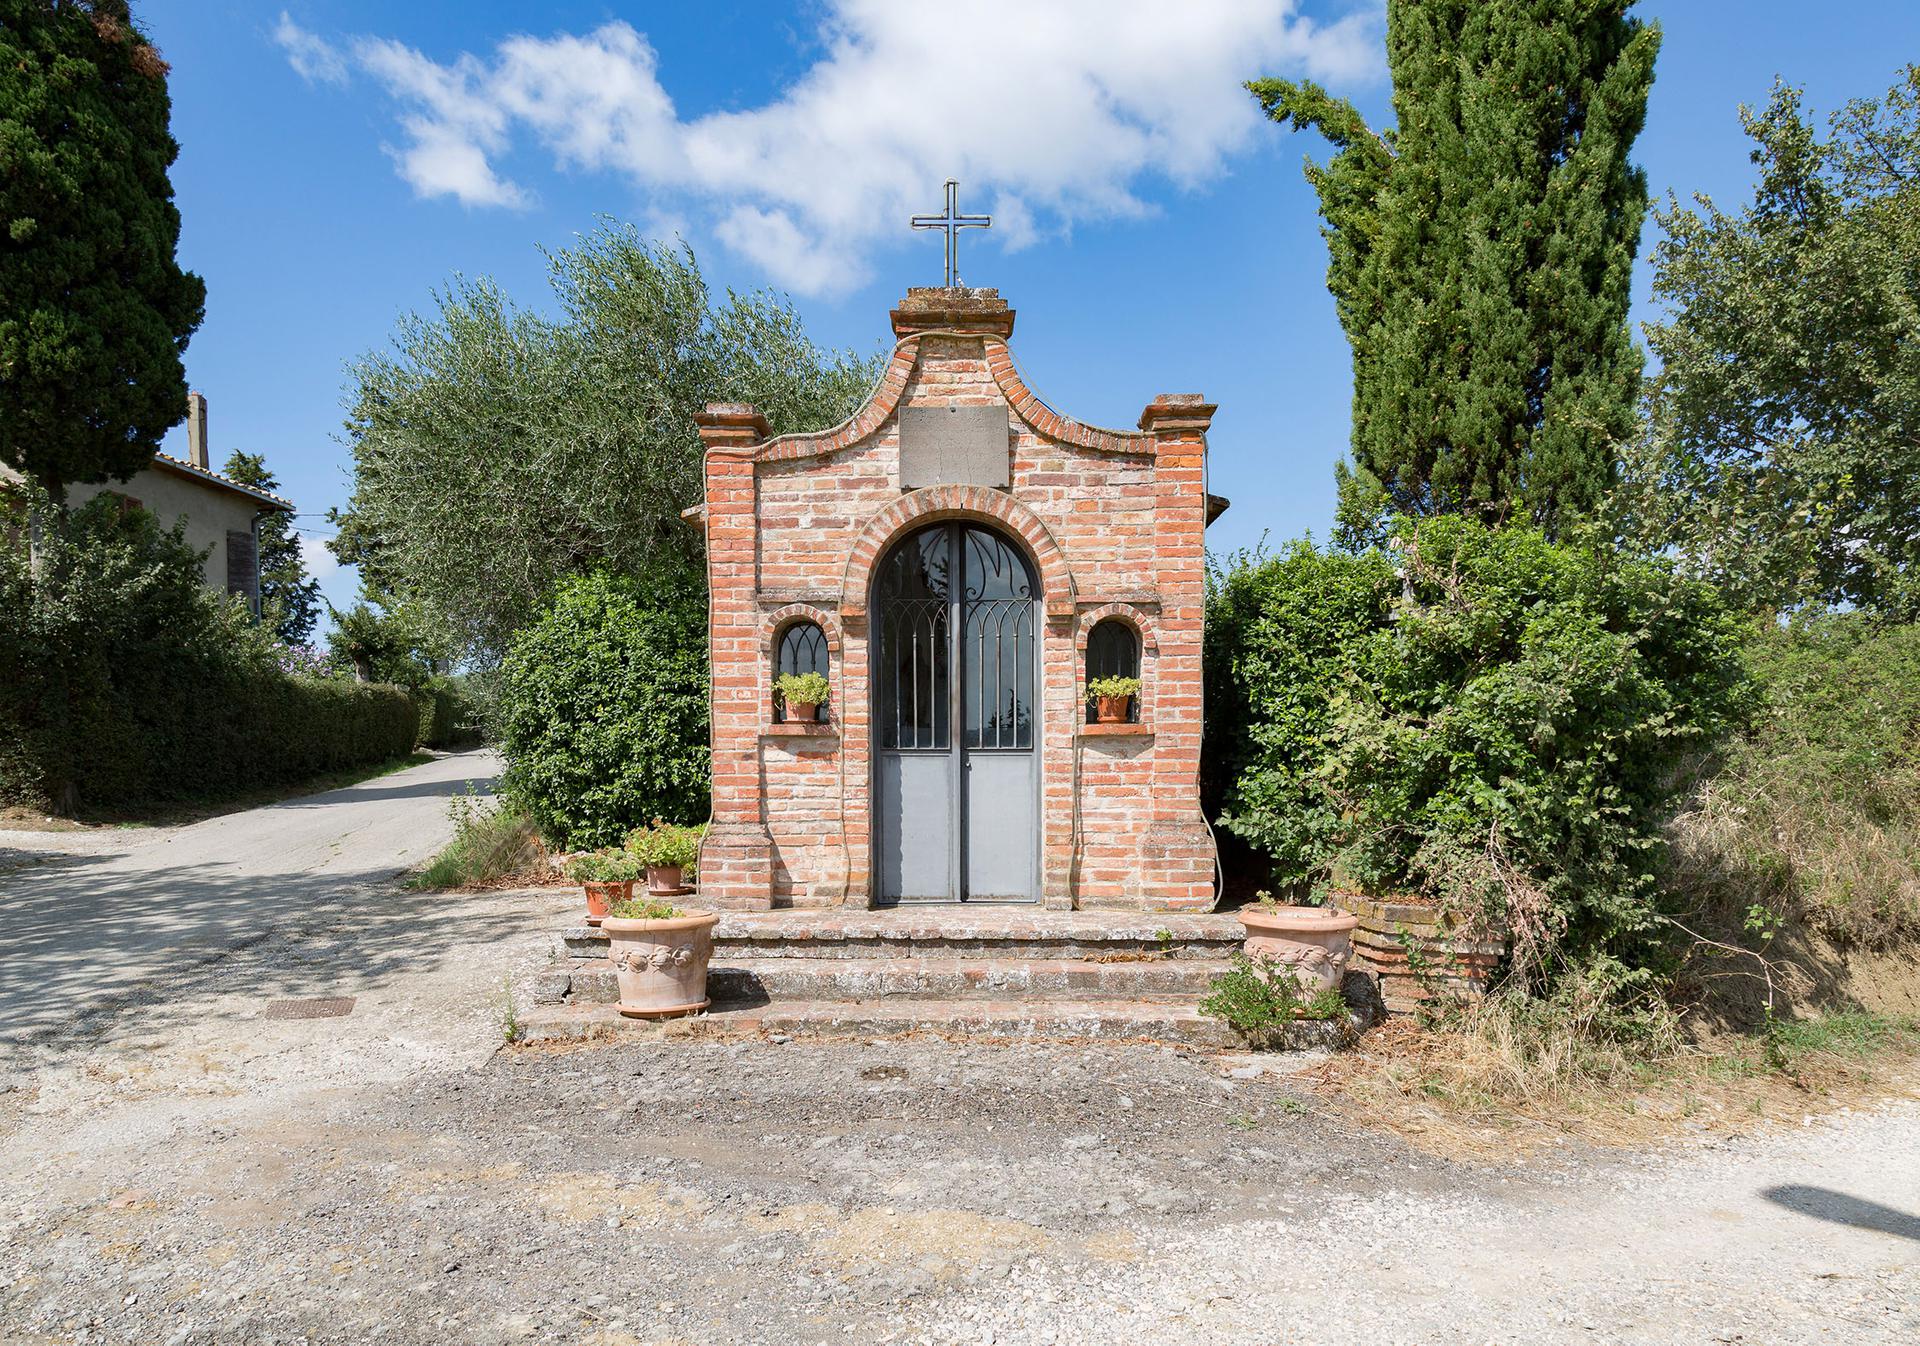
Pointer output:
156, 937
1823, 1203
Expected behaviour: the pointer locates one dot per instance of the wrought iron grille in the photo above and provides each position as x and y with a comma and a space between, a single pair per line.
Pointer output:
914, 665
1113, 651
996, 623
918, 610
802, 649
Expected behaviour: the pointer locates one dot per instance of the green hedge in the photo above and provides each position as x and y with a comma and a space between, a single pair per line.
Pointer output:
125, 682
448, 717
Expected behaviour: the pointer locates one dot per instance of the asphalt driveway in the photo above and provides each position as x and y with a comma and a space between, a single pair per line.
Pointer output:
96, 920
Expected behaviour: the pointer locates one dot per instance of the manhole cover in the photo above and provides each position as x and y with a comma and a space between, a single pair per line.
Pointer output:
321, 1007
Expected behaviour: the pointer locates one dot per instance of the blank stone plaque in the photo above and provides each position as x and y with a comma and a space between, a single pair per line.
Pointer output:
955, 446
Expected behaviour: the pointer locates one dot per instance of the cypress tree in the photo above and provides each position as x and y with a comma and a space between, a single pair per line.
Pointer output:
289, 597
1481, 256
94, 310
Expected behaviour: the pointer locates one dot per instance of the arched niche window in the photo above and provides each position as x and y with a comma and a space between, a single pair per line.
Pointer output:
802, 649
1113, 651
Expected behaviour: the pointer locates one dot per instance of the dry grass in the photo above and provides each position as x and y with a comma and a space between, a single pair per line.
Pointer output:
494, 846
1763, 832
1497, 1082
1815, 814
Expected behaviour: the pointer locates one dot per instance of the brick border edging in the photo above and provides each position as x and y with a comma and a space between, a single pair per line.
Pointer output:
1456, 969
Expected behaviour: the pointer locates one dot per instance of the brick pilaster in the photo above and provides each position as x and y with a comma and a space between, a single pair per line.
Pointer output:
736, 861
1177, 851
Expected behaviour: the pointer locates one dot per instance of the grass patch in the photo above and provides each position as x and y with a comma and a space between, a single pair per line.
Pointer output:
494, 845
1848, 1035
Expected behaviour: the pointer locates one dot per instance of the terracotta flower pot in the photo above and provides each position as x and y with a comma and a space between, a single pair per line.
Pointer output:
1314, 944
661, 965
1111, 709
666, 880
803, 711
601, 895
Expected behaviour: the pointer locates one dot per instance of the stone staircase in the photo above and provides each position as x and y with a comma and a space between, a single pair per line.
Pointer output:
979, 972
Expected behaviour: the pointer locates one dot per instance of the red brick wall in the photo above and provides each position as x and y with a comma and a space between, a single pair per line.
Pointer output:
1113, 522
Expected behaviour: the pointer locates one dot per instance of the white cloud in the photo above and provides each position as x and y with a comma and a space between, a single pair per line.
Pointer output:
1054, 112
320, 563
315, 59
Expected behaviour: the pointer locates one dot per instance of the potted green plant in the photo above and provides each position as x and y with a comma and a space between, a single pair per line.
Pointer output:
660, 954
605, 876
802, 693
1112, 698
668, 852
1312, 944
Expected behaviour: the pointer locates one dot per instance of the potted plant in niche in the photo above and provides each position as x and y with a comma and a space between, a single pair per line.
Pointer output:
803, 694
660, 954
605, 876
668, 852
1310, 943
1112, 698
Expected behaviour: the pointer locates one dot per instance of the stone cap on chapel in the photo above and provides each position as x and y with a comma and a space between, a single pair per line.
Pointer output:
936, 308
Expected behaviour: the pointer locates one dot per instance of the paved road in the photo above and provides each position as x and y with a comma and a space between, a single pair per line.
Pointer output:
95, 920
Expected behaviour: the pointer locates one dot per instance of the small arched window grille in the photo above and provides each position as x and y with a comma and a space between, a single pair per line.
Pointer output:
1113, 651
802, 649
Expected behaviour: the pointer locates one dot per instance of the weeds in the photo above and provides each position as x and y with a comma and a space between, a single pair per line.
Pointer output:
509, 1016
1259, 1000
492, 842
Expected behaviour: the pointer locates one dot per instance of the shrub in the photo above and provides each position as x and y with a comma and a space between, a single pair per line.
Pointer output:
1499, 730
667, 845
491, 842
1280, 632
602, 711
125, 682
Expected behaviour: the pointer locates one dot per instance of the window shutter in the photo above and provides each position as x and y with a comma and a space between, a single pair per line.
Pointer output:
241, 568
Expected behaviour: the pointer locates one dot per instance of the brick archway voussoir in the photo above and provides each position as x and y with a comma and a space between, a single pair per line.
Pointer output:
933, 503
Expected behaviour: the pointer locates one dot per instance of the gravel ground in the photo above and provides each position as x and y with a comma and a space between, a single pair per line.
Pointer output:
197, 1173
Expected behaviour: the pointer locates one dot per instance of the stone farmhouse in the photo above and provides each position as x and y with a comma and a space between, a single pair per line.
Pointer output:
222, 516
958, 559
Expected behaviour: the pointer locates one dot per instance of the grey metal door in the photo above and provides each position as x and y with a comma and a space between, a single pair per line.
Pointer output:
956, 813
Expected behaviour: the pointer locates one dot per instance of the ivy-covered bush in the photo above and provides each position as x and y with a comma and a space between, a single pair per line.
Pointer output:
1476, 716
601, 709
125, 681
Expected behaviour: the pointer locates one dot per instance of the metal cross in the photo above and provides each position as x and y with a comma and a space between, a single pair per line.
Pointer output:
953, 222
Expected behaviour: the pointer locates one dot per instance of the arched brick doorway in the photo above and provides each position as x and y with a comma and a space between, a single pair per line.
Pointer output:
956, 717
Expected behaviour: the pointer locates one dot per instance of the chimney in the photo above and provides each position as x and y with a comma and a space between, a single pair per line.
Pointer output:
197, 432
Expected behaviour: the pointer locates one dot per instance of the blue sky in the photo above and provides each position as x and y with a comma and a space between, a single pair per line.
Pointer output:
342, 158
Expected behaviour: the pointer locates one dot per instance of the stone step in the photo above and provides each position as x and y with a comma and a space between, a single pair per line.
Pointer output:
1017, 933
980, 1020
758, 980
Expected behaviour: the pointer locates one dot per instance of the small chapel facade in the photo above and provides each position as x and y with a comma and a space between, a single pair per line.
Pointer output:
958, 559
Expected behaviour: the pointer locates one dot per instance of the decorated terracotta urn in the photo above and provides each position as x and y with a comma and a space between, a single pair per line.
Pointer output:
661, 964
1314, 944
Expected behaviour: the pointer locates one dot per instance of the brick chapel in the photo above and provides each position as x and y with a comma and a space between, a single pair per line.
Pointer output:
958, 559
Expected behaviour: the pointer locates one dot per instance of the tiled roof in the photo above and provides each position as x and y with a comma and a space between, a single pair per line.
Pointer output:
213, 478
